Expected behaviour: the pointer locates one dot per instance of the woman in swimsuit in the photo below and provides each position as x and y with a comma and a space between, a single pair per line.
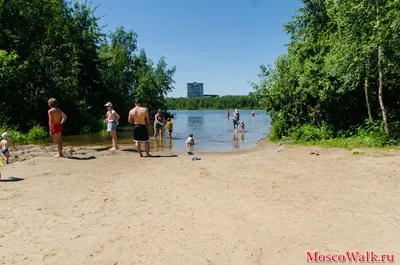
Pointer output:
159, 120
112, 120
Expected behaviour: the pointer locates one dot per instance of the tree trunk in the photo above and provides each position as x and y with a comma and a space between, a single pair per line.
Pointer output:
366, 87
384, 115
380, 62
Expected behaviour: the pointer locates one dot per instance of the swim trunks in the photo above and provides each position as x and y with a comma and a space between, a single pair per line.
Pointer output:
4, 150
235, 123
56, 128
190, 142
111, 126
140, 133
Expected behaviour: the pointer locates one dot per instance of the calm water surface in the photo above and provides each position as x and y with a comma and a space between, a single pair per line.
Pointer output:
211, 129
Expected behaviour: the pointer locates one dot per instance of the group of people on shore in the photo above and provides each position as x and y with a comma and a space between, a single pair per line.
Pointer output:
138, 116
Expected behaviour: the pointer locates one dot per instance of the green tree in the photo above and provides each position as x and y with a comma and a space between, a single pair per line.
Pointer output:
338, 50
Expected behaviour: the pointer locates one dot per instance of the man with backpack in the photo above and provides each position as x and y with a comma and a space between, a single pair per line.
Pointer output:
235, 118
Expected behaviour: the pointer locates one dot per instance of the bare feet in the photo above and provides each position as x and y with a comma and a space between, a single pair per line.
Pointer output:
112, 149
148, 155
140, 155
58, 156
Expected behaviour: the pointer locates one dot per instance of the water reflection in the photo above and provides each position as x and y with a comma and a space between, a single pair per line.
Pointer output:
158, 144
195, 122
170, 144
235, 142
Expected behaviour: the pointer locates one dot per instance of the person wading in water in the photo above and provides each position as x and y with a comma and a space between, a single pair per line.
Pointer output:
159, 120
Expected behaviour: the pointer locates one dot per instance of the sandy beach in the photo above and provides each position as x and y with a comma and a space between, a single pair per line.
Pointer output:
249, 207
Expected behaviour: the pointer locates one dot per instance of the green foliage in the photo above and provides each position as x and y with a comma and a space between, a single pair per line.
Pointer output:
56, 49
223, 102
321, 87
36, 133
367, 135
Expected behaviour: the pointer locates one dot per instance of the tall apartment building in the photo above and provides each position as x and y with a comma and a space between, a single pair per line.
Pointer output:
194, 90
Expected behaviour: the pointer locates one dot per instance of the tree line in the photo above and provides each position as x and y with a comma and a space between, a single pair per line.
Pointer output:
53, 48
224, 102
340, 74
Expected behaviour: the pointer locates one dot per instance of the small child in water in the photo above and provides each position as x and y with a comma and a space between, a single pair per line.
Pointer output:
242, 125
5, 144
190, 141
170, 126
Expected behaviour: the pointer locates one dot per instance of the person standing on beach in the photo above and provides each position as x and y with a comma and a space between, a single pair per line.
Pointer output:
5, 144
56, 121
139, 116
159, 120
112, 119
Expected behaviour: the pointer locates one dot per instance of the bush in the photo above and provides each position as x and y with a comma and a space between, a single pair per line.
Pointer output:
279, 128
37, 133
366, 135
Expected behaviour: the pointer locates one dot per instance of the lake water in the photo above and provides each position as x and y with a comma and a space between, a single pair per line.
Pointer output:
211, 129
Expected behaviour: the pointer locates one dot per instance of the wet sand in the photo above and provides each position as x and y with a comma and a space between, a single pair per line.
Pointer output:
254, 206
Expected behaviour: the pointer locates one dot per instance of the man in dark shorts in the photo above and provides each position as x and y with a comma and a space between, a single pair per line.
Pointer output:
139, 116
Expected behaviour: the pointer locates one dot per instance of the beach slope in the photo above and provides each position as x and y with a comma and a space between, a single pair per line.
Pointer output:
250, 207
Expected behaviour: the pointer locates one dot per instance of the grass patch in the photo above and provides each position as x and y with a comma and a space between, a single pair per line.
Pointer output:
325, 136
35, 134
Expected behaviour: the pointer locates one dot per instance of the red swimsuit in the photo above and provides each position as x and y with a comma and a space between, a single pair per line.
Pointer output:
56, 128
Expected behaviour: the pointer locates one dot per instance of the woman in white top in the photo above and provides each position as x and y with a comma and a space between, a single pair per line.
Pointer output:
112, 119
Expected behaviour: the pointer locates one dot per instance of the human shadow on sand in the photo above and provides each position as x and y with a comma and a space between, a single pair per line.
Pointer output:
82, 158
155, 156
129, 150
100, 149
11, 179
159, 156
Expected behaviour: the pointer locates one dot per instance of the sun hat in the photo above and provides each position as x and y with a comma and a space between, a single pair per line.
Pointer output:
108, 104
236, 111
4, 135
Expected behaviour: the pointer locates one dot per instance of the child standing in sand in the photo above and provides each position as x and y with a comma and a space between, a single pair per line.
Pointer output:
190, 141
170, 126
5, 144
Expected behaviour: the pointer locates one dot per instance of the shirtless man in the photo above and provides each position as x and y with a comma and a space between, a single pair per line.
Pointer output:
56, 120
139, 116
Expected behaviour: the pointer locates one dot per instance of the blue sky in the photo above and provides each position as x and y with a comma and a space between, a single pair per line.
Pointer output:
221, 43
